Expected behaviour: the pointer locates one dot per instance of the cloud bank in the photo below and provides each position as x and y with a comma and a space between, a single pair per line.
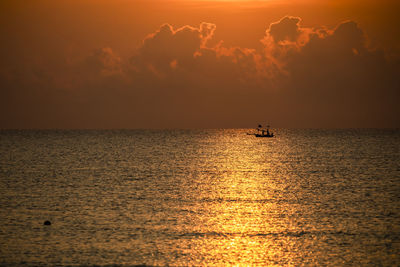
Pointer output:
182, 77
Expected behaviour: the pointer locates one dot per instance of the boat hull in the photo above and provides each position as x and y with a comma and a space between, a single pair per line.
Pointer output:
264, 135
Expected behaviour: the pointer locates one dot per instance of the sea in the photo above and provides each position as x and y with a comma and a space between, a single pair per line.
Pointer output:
219, 197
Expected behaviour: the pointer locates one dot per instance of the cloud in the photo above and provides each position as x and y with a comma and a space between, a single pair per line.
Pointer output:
168, 46
349, 34
285, 29
104, 61
336, 78
302, 77
170, 55
207, 31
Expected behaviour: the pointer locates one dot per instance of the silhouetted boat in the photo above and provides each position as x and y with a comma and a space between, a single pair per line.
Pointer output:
262, 132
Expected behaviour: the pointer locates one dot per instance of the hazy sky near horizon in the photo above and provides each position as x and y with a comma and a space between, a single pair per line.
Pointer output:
199, 64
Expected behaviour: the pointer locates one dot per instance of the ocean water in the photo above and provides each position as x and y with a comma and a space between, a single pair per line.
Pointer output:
200, 197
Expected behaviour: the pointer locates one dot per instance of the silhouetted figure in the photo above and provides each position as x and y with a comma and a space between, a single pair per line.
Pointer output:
47, 223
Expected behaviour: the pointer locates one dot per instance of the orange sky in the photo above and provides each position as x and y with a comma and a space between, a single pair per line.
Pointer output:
111, 64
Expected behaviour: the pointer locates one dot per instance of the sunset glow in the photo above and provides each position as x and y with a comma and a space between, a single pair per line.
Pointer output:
199, 64
199, 133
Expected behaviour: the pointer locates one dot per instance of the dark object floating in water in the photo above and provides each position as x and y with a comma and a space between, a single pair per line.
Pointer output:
47, 223
262, 132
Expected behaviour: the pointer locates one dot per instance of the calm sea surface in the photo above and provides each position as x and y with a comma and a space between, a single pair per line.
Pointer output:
200, 197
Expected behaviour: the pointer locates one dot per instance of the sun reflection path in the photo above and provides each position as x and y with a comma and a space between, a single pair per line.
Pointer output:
244, 216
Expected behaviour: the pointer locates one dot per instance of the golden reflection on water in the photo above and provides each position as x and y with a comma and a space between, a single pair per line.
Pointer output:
215, 197
242, 222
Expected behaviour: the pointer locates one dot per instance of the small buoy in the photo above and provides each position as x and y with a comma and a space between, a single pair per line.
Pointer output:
47, 223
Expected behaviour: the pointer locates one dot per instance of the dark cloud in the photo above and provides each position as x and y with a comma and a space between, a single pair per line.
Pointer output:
104, 61
285, 29
335, 79
182, 59
168, 47
350, 35
302, 77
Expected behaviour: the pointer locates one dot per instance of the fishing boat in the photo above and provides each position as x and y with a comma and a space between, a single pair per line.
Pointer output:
262, 132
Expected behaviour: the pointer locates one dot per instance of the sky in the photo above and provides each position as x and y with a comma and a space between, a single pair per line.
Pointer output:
128, 64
